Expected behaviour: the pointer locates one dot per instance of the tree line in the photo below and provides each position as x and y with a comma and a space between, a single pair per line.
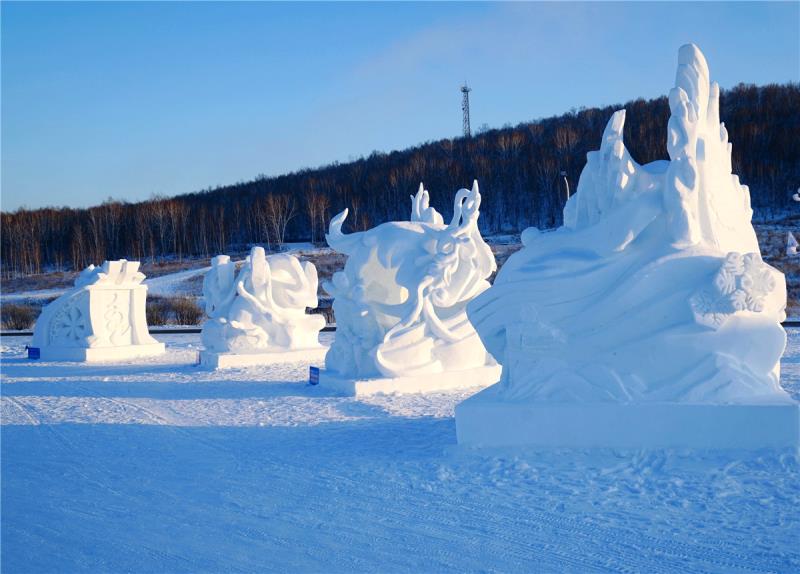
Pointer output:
518, 169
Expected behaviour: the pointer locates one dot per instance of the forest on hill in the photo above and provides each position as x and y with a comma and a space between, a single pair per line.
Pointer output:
518, 169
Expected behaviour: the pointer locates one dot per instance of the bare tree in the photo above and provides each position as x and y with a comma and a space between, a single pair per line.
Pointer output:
280, 210
312, 208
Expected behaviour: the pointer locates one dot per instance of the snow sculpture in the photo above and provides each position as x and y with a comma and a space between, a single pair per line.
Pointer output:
102, 318
400, 302
791, 244
259, 317
649, 318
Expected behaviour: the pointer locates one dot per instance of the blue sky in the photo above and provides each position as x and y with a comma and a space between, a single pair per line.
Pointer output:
134, 99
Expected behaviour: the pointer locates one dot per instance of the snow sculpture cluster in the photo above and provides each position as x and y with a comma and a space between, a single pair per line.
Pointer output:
654, 290
400, 300
263, 308
101, 318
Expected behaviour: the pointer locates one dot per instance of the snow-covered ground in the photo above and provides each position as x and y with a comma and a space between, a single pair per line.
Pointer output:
174, 283
157, 466
178, 283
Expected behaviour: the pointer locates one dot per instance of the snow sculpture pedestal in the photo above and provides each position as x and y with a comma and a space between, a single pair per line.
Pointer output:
400, 303
649, 319
212, 360
259, 317
478, 377
487, 420
102, 318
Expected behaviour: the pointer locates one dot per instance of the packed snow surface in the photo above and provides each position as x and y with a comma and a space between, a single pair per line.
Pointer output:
158, 466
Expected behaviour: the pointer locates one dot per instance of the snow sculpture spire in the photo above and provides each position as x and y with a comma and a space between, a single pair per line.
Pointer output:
421, 209
707, 203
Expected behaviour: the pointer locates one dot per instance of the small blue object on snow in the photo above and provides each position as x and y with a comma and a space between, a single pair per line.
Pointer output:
313, 375
33, 352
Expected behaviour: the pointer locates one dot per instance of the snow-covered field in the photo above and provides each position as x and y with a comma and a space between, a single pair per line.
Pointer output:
178, 283
160, 467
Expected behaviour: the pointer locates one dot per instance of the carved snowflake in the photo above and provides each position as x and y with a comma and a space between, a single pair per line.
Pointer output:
757, 281
742, 284
69, 326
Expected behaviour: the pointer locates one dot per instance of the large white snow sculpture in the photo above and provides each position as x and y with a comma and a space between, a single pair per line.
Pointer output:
401, 325
259, 316
649, 319
102, 318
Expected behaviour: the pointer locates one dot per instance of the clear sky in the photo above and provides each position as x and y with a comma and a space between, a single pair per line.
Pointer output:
134, 99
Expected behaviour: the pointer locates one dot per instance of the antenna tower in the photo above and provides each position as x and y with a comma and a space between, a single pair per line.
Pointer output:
465, 89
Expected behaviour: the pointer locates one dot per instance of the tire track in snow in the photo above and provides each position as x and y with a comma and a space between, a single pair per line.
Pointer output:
66, 444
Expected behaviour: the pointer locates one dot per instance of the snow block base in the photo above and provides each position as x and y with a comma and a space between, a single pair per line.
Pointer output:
212, 360
101, 354
484, 421
478, 377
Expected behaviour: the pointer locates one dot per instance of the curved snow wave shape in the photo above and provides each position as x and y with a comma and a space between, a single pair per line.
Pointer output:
624, 328
416, 352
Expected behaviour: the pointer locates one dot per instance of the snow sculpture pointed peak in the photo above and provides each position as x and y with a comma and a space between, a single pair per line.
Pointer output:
421, 209
263, 308
706, 201
466, 209
702, 201
399, 303
654, 289
101, 318
336, 238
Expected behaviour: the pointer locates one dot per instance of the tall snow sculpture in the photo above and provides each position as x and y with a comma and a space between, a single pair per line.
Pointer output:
259, 317
401, 325
649, 319
102, 318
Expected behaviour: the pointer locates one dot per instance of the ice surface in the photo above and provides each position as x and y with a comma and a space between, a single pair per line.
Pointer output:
102, 318
158, 466
400, 300
263, 308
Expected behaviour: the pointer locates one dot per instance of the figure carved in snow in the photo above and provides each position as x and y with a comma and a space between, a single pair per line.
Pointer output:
400, 300
263, 308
